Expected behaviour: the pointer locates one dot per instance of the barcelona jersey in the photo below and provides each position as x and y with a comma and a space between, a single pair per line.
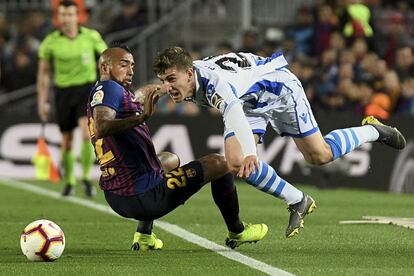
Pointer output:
128, 161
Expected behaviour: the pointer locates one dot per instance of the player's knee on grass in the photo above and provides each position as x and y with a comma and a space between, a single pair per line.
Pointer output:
169, 161
214, 166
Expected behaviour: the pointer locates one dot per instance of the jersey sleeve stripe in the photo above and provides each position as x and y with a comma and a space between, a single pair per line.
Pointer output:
276, 61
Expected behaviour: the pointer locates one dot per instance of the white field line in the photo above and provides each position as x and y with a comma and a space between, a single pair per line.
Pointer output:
404, 222
168, 227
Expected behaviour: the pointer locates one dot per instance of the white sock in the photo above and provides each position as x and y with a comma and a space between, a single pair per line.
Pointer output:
267, 180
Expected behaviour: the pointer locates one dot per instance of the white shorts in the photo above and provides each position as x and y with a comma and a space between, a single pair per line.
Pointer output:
289, 113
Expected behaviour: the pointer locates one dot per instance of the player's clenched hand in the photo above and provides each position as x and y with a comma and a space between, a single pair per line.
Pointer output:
249, 165
149, 103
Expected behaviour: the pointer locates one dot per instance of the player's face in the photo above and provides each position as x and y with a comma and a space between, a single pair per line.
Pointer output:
179, 84
122, 68
68, 17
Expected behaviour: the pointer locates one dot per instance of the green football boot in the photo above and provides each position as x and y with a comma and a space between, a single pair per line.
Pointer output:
146, 242
251, 233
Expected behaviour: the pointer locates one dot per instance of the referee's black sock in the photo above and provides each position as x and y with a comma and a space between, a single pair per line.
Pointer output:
225, 196
145, 227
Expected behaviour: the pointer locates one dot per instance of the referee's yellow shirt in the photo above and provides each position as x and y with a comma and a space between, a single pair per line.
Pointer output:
73, 60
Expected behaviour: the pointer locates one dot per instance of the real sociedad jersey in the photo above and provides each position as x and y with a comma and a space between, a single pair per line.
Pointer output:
128, 161
237, 77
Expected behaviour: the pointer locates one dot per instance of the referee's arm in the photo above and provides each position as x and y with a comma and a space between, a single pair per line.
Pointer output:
43, 85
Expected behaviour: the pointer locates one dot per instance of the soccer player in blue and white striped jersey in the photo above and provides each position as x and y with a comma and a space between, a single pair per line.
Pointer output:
250, 92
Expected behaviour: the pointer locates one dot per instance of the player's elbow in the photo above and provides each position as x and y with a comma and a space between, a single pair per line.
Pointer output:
99, 132
98, 135
102, 128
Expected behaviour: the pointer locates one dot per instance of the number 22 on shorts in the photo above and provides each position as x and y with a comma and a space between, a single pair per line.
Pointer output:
176, 178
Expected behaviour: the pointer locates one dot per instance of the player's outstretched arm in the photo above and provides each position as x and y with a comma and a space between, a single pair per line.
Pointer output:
236, 119
141, 92
106, 124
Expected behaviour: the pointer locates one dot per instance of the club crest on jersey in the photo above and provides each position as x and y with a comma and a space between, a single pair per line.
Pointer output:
97, 98
191, 173
215, 99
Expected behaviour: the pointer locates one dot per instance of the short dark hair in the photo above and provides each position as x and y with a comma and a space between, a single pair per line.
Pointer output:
118, 44
172, 57
68, 3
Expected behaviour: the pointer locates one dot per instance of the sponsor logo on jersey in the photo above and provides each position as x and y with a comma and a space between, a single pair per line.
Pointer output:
304, 117
216, 100
213, 97
97, 98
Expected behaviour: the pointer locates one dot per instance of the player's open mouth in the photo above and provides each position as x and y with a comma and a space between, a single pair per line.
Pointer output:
174, 94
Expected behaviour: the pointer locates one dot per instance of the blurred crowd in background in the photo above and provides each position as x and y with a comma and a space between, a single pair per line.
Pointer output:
350, 55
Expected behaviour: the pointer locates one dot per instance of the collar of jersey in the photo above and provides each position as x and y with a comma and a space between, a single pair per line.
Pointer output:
79, 31
198, 85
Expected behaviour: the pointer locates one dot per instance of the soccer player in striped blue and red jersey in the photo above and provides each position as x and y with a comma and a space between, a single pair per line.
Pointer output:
128, 160
135, 182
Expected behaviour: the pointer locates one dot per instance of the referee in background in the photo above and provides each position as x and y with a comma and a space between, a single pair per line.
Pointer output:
69, 54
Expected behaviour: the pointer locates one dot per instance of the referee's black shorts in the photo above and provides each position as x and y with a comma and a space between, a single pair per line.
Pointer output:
70, 105
176, 187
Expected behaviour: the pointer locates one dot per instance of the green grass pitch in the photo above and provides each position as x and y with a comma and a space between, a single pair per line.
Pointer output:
98, 243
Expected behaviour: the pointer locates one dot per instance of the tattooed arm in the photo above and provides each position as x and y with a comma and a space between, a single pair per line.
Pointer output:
106, 124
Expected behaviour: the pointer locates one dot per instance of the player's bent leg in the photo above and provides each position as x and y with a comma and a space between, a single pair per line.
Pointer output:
169, 161
388, 135
320, 150
267, 180
144, 209
314, 148
145, 242
224, 193
181, 182
214, 166
214, 170
252, 233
